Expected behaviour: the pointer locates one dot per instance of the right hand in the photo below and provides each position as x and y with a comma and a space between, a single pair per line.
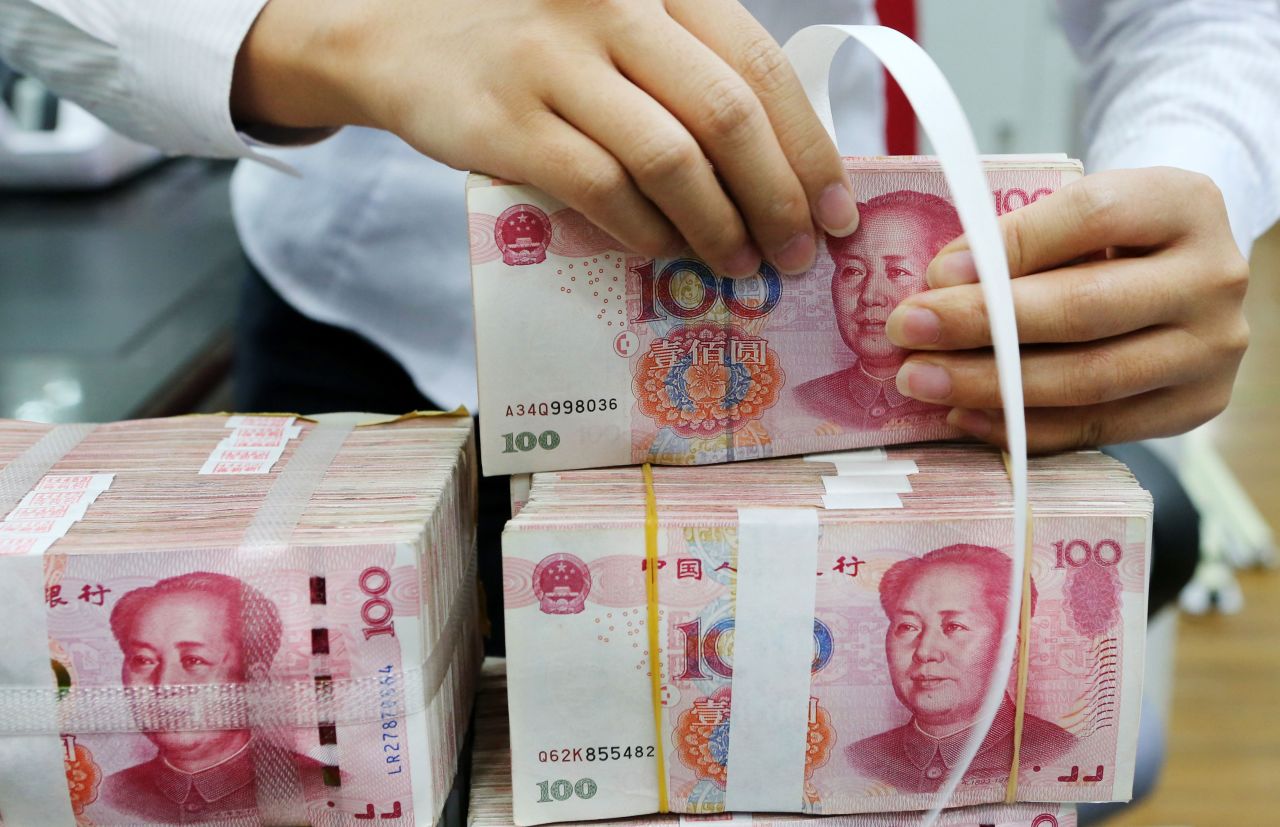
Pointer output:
618, 108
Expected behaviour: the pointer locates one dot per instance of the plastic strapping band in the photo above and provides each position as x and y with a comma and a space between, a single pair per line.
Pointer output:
1024, 657
21, 475
278, 788
291, 492
655, 654
203, 707
811, 51
91, 709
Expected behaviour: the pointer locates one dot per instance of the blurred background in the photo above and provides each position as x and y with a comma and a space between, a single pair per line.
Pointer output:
119, 278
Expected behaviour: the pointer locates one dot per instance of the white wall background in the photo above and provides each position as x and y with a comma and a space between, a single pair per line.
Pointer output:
1012, 69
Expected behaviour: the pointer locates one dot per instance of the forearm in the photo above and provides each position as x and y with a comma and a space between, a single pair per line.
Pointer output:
1190, 85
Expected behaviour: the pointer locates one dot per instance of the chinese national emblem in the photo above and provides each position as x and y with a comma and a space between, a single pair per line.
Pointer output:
561, 582
523, 233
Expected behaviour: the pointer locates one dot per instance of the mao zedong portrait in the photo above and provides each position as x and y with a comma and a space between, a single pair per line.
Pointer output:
199, 628
881, 264
945, 611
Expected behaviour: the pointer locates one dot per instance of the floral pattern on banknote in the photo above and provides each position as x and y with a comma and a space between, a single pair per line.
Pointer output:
705, 380
701, 737
84, 776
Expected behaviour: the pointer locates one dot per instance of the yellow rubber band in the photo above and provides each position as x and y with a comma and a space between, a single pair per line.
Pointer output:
1024, 657
655, 654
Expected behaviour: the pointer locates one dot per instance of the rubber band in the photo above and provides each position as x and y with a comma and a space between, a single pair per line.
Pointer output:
655, 655
1024, 655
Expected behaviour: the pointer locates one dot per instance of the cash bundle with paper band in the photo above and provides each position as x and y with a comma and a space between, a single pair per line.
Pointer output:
244, 620
592, 356
490, 804
827, 629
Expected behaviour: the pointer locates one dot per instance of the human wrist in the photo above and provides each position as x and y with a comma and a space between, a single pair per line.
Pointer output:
298, 66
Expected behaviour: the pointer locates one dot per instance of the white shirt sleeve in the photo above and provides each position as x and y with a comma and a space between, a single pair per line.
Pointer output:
1190, 84
158, 71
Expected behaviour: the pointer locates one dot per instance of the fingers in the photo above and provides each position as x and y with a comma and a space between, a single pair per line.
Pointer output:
1087, 302
666, 164
729, 123
1135, 208
1159, 413
1075, 375
558, 159
731, 32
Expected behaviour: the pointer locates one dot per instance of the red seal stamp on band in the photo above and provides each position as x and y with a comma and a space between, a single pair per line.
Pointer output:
523, 233
561, 582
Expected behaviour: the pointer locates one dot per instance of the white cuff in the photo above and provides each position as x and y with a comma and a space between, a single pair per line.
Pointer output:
177, 60
1192, 147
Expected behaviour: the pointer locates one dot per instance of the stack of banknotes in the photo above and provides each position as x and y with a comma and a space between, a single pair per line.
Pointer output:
235, 620
491, 786
666, 361
827, 628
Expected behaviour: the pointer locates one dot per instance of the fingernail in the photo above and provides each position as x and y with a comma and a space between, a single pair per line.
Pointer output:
745, 262
973, 422
952, 269
797, 255
837, 210
913, 327
924, 381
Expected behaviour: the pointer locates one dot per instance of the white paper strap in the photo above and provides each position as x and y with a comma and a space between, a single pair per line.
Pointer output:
811, 51
861, 502
870, 484
772, 655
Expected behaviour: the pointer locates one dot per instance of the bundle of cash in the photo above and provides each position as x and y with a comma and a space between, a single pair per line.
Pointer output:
826, 632
673, 363
491, 786
235, 620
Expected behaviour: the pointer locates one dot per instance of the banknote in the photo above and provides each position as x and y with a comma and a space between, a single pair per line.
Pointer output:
907, 610
168, 662
491, 787
592, 356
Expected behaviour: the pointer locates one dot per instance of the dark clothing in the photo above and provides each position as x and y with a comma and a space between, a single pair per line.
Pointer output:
158, 793
285, 361
1175, 525
916, 763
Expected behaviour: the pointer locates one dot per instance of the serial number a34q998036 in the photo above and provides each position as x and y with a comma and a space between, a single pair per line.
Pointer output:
563, 407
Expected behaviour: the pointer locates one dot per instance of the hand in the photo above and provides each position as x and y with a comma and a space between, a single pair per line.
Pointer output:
618, 108
1128, 290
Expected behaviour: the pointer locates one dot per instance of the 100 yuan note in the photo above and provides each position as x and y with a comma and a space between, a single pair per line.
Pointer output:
905, 630
490, 804
589, 355
224, 677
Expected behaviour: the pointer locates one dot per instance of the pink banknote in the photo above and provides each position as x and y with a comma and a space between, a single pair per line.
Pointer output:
591, 356
491, 788
905, 625
151, 629
294, 645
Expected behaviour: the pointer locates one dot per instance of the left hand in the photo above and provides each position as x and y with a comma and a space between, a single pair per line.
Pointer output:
1129, 291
